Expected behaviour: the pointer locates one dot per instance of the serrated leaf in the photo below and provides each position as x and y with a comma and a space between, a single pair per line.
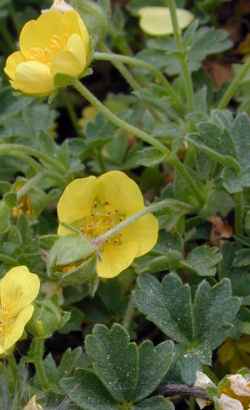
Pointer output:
214, 311
201, 325
115, 360
167, 304
203, 260
154, 364
86, 390
155, 403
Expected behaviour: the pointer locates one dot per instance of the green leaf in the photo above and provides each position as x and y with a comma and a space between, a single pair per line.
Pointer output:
5, 222
68, 250
154, 364
86, 390
115, 360
167, 304
214, 312
155, 403
203, 260
200, 326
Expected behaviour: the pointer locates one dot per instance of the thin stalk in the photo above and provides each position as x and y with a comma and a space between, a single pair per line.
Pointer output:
239, 212
38, 362
118, 64
170, 390
167, 203
9, 149
118, 60
118, 121
72, 114
170, 158
129, 314
183, 56
29, 185
233, 87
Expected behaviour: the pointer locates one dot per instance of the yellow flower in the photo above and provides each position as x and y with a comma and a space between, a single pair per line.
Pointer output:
18, 289
57, 42
95, 205
156, 21
235, 354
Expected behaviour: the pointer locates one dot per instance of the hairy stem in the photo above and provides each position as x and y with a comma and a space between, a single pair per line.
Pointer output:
170, 158
233, 87
183, 56
170, 390
119, 60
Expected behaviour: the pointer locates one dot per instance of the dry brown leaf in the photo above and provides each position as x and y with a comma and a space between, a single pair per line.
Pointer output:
219, 72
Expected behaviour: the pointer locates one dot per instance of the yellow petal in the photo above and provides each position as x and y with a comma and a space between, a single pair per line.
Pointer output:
14, 331
66, 63
116, 258
18, 289
121, 192
76, 46
76, 201
144, 232
73, 23
12, 62
156, 21
38, 33
33, 78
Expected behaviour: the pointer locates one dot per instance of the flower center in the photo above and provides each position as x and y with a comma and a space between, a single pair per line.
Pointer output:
45, 55
102, 218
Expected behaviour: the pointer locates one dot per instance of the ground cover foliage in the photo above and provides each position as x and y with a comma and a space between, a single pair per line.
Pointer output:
124, 188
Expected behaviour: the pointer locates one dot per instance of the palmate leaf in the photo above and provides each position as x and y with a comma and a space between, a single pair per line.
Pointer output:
229, 138
200, 324
122, 372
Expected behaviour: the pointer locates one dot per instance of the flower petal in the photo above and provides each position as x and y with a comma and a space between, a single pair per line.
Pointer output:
12, 62
33, 78
76, 46
73, 23
156, 21
121, 192
76, 201
144, 232
18, 289
38, 33
116, 258
14, 331
66, 63
227, 403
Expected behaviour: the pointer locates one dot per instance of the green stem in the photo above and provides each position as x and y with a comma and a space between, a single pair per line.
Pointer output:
239, 212
118, 121
132, 82
183, 56
171, 159
22, 150
13, 368
29, 185
167, 203
233, 87
38, 362
129, 314
117, 60
72, 114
